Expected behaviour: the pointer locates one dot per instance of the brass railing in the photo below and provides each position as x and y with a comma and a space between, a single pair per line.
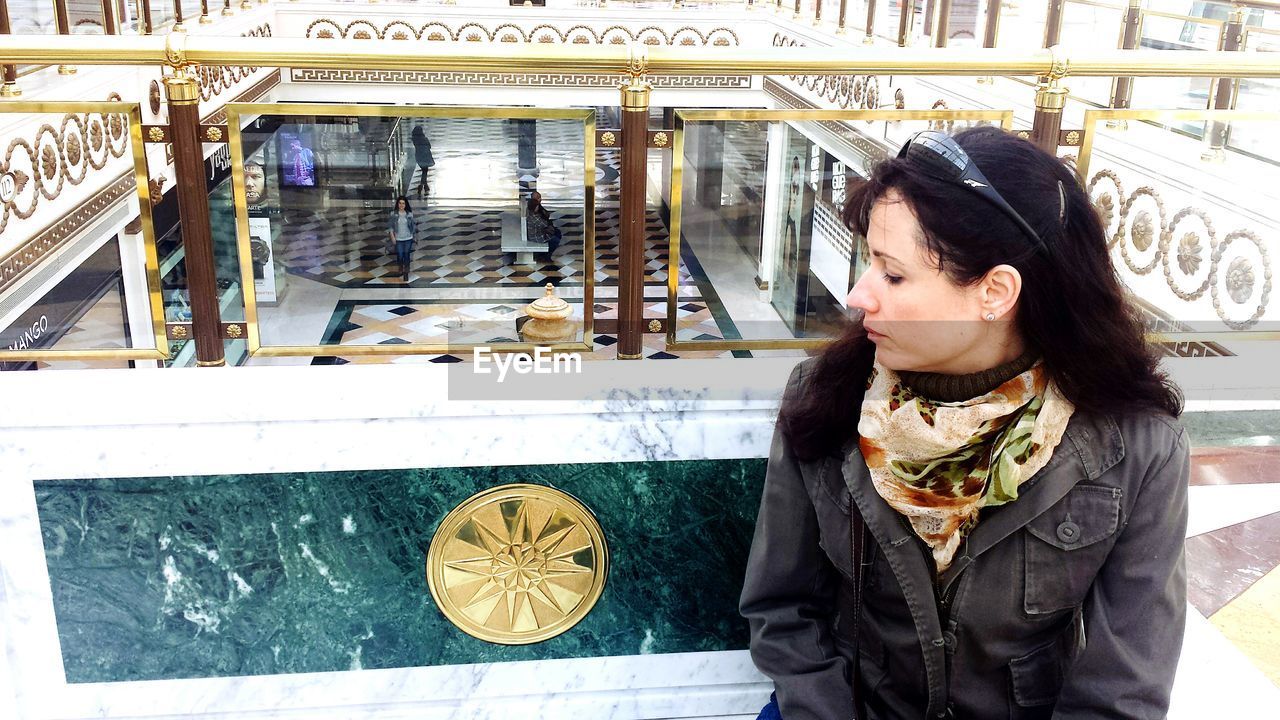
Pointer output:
183, 54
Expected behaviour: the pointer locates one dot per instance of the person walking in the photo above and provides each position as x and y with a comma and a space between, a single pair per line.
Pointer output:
423, 157
976, 498
403, 230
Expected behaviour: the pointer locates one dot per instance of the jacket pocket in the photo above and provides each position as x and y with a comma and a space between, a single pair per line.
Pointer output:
1065, 547
1037, 676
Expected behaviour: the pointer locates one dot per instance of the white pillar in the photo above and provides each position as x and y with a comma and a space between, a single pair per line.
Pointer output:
137, 296
774, 195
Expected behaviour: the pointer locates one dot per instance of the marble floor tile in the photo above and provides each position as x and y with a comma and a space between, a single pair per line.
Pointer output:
1252, 623
1213, 507
1224, 563
1235, 466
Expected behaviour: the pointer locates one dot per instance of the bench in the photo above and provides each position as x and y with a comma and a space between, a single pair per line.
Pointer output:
515, 237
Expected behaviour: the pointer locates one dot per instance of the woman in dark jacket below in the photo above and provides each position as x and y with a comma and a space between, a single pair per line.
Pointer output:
423, 157
995, 441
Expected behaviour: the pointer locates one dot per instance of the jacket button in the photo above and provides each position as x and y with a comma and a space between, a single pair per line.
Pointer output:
1068, 532
949, 640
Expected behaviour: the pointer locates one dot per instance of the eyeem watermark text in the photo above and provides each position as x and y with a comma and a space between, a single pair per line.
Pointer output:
541, 362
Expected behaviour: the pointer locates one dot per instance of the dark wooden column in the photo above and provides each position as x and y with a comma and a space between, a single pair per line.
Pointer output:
871, 22
109, 23
177, 15
146, 17
817, 12
1122, 90
193, 212
63, 25
1232, 40
10, 88
840, 30
943, 26
635, 154
204, 13
908, 9
1053, 22
1050, 99
992, 24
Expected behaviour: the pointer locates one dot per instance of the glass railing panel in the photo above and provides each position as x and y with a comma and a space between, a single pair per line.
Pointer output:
68, 298
1194, 229
1022, 24
1258, 94
761, 260
321, 252
1092, 25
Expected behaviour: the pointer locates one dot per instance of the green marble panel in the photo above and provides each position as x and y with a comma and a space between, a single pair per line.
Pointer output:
179, 577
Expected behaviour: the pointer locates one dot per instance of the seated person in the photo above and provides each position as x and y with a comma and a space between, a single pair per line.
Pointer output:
538, 225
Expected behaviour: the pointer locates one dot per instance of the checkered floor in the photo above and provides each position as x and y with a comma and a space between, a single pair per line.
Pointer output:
348, 247
357, 322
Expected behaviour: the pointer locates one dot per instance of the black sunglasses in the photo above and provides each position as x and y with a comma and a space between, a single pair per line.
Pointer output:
940, 155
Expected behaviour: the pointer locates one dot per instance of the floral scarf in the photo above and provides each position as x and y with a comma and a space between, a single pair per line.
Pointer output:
940, 463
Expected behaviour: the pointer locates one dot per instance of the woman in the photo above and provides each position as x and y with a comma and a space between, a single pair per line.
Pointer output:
403, 229
538, 225
995, 443
423, 157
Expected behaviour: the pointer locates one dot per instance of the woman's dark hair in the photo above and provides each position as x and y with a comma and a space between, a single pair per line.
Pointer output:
1073, 309
407, 207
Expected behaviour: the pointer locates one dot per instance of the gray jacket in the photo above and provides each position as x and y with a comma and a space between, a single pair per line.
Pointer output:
1067, 603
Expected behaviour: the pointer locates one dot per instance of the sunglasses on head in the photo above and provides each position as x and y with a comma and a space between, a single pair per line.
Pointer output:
942, 157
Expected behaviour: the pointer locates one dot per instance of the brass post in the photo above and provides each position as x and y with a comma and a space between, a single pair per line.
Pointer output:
1122, 88
9, 89
943, 25
840, 29
109, 22
63, 25
183, 95
177, 16
635, 154
1051, 97
905, 16
870, 39
204, 13
1232, 40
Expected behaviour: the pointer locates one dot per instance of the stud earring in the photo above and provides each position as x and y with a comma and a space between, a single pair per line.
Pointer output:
991, 317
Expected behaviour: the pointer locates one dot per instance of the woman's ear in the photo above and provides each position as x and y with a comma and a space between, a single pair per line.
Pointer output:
999, 290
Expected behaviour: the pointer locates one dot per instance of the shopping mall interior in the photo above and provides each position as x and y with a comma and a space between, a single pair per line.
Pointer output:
205, 189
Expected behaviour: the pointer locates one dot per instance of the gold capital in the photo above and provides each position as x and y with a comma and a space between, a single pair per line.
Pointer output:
182, 89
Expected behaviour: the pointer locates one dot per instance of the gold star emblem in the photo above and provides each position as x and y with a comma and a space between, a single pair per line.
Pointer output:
517, 564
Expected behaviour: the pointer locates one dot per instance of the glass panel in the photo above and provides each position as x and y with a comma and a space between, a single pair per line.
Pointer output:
85, 17
496, 211
1090, 27
84, 310
1192, 236
1022, 24
763, 254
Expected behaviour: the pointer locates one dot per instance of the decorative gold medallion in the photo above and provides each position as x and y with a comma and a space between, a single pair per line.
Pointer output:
155, 134
517, 564
655, 326
234, 330
660, 139
213, 133
608, 139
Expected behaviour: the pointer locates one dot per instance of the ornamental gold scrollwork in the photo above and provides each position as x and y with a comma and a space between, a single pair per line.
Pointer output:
1240, 279
40, 168
517, 564
1142, 230
1186, 246
436, 31
1106, 204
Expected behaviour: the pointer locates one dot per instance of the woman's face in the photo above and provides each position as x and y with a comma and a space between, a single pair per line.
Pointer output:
400, 204
917, 317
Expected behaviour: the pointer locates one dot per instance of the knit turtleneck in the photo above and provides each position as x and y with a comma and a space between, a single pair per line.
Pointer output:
958, 388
